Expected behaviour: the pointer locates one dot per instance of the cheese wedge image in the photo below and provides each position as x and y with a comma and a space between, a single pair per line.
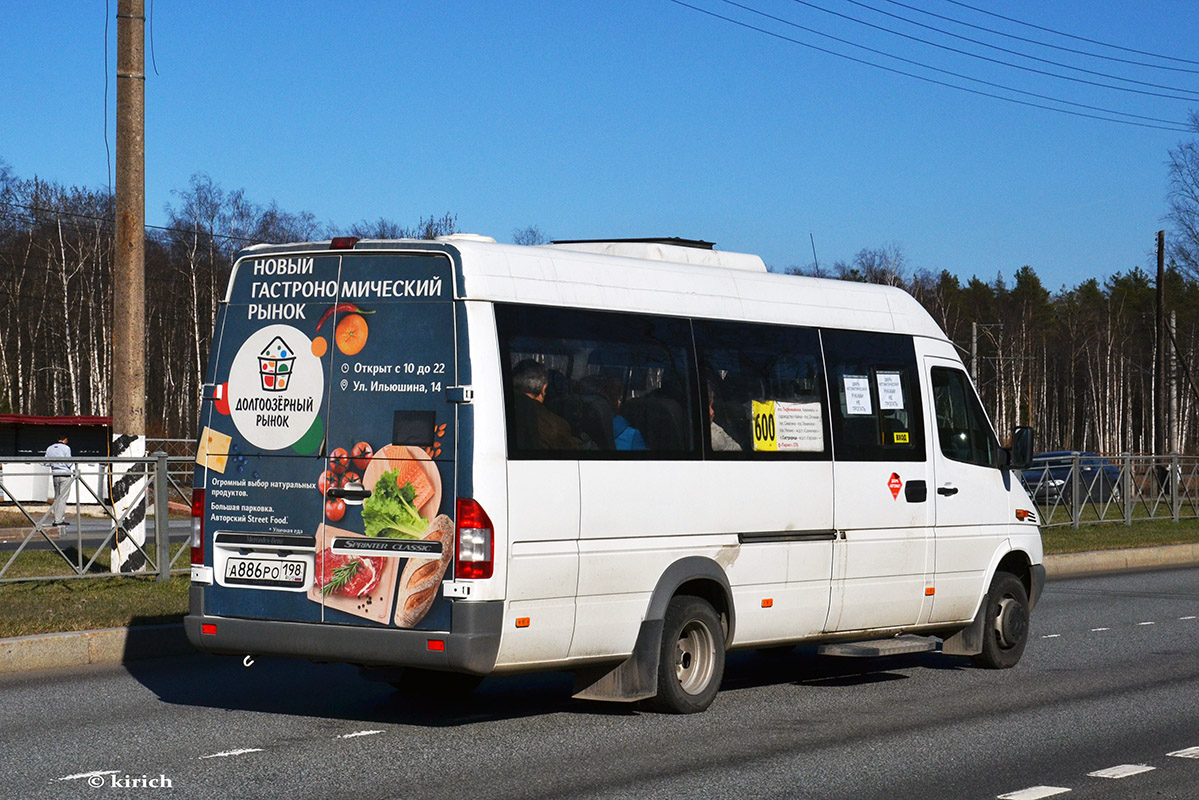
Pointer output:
213, 451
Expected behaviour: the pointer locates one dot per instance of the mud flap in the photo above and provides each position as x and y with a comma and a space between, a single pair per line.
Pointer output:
968, 641
635, 678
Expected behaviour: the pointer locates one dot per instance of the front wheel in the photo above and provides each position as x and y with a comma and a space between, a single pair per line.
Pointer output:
691, 664
1005, 625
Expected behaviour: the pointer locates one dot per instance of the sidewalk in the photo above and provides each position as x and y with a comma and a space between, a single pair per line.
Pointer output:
119, 645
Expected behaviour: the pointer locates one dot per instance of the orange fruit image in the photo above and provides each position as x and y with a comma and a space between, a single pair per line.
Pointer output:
351, 334
319, 346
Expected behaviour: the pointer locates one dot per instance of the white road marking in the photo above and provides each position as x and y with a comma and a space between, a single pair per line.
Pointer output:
1190, 752
1122, 771
1146, 623
1180, 619
358, 733
1096, 630
98, 773
1033, 793
1052, 636
240, 752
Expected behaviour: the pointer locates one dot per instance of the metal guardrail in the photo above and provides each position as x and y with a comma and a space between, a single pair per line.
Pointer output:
1091, 488
167, 478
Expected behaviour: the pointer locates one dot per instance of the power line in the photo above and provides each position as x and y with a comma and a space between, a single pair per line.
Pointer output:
1007, 50
107, 221
1000, 62
1070, 35
1175, 127
1039, 43
952, 73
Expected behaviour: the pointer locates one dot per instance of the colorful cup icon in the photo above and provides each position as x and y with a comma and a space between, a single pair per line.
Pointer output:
275, 365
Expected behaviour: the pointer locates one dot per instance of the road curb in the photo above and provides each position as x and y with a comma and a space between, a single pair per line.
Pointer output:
119, 645
80, 648
1099, 561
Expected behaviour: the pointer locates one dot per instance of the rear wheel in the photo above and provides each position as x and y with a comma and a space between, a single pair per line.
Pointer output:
691, 664
1005, 626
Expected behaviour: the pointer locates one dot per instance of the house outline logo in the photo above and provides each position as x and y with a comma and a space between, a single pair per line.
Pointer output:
276, 364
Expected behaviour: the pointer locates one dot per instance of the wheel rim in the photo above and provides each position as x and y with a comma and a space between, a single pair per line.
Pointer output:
695, 657
1011, 622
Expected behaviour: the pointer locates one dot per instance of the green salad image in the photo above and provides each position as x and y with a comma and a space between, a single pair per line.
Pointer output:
390, 512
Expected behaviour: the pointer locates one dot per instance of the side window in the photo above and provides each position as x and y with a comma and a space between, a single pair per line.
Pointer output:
874, 396
764, 389
962, 428
597, 385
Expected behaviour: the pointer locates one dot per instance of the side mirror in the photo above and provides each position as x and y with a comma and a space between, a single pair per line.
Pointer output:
1021, 448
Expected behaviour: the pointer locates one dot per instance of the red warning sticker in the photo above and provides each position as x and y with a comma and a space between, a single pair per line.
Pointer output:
895, 484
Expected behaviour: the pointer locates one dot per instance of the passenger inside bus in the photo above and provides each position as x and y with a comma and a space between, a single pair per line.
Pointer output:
537, 428
720, 438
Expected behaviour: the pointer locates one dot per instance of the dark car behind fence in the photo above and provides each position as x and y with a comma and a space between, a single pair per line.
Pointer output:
1075, 487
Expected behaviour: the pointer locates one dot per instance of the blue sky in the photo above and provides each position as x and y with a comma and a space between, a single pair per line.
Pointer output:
625, 119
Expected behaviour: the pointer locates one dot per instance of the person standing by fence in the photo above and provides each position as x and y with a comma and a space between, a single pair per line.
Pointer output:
60, 471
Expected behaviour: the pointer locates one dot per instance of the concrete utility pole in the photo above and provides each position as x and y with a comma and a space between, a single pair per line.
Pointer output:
1172, 373
129, 314
128, 344
1159, 363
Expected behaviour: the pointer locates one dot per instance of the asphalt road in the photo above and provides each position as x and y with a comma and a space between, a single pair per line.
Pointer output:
1109, 685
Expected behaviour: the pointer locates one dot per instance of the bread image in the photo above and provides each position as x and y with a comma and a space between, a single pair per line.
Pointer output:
421, 578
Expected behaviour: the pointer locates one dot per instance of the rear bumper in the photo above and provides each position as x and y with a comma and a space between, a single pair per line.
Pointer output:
471, 645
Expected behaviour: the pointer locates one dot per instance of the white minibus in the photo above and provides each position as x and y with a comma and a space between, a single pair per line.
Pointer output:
445, 459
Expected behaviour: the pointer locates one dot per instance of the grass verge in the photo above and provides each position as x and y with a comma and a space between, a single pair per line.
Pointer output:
50, 606
72, 604
1116, 536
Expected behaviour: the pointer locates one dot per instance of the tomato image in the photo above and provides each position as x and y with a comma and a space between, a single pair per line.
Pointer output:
361, 455
335, 509
328, 480
339, 459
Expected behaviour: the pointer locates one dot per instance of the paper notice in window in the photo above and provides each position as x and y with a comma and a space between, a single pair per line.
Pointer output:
857, 395
890, 391
800, 427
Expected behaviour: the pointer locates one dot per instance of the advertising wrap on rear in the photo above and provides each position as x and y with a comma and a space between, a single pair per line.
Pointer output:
327, 450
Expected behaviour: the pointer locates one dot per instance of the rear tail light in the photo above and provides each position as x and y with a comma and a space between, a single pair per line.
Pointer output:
475, 540
343, 243
197, 527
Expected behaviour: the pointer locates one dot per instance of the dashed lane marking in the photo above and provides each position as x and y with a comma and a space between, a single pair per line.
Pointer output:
356, 734
97, 774
1146, 623
240, 752
1180, 619
1190, 752
1033, 793
1052, 636
1096, 630
1122, 771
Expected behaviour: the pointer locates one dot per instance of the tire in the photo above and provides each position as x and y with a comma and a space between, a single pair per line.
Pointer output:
1005, 625
691, 662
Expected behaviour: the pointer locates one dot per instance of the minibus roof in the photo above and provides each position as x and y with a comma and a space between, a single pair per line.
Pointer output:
660, 279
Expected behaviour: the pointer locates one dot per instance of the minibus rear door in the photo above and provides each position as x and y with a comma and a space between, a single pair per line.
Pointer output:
386, 541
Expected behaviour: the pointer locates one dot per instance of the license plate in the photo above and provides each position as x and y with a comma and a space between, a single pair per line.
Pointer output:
264, 572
